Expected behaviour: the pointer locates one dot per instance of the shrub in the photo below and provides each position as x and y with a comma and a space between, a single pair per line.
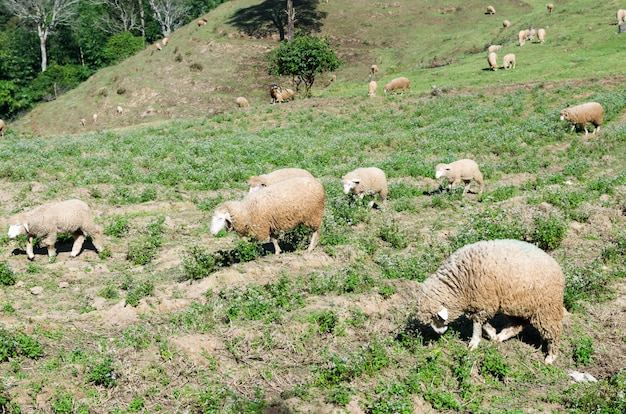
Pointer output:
103, 373
549, 231
122, 45
198, 264
583, 350
7, 276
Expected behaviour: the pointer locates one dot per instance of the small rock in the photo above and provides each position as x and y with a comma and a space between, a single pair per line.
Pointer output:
581, 376
37, 290
64, 285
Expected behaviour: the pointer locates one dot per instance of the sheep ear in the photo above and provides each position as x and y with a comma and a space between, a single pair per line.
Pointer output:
448, 168
356, 180
443, 314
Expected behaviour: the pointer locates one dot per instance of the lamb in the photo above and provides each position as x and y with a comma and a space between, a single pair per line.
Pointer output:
372, 86
158, 46
461, 170
283, 206
509, 61
397, 83
275, 93
362, 181
590, 112
541, 35
492, 59
491, 10
259, 181
165, 41
119, 110
3, 128
550, 7
242, 102
494, 48
506, 23
50, 219
621, 16
373, 69
95, 118
511, 277
202, 22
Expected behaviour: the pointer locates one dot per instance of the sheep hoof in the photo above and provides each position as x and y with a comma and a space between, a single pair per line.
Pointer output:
550, 359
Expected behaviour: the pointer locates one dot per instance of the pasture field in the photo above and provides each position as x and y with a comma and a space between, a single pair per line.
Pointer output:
169, 319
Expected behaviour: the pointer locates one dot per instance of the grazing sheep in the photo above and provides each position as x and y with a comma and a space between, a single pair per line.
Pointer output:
158, 46
372, 86
364, 181
3, 128
550, 7
287, 94
50, 219
119, 110
491, 10
165, 41
275, 93
397, 83
82, 122
202, 22
242, 102
506, 23
461, 170
510, 277
492, 59
95, 118
494, 48
259, 181
509, 61
373, 69
283, 206
531, 34
541, 35
621, 16
590, 112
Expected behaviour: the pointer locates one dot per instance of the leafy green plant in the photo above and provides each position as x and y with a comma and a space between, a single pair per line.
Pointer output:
327, 321
136, 290
495, 364
549, 231
198, 264
15, 343
583, 351
7, 276
118, 226
142, 250
103, 373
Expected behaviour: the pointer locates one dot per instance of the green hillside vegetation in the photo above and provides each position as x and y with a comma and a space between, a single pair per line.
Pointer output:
169, 319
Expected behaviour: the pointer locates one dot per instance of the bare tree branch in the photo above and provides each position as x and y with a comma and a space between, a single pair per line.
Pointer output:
45, 15
124, 16
169, 13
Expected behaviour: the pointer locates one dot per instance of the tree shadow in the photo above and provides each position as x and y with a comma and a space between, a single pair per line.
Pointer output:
263, 19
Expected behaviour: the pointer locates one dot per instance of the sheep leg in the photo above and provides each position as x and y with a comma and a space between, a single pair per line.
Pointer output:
314, 239
79, 239
29, 248
467, 186
49, 242
490, 331
276, 246
477, 330
552, 353
510, 331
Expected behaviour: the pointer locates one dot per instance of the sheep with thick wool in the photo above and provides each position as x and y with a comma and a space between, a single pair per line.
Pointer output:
510, 277
550, 7
51, 219
621, 16
590, 112
362, 181
264, 180
506, 23
523, 36
541, 35
508, 61
490, 10
397, 83
3, 128
283, 206
371, 87
494, 48
462, 170
242, 102
492, 59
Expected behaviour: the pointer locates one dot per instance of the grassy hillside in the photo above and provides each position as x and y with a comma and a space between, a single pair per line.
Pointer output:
169, 319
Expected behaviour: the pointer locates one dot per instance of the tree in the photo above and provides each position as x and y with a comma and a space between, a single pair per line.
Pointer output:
45, 15
122, 16
169, 13
304, 57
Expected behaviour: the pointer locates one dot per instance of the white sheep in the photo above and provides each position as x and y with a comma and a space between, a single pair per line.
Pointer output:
82, 122
461, 170
158, 46
202, 21
94, 117
510, 277
3, 128
550, 7
397, 83
283, 206
509, 61
522, 36
242, 102
621, 16
541, 35
506, 23
362, 181
373, 69
50, 219
492, 59
165, 41
259, 181
491, 10
372, 86
287, 94
590, 112
494, 48
119, 110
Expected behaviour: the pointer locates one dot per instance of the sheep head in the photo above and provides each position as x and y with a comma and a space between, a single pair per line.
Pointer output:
221, 220
17, 229
350, 184
440, 170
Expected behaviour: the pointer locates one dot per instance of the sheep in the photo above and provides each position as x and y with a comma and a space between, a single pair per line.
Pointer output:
165, 41
506, 23
511, 277
461, 170
242, 102
509, 61
202, 22
492, 59
94, 117
362, 181
3, 128
590, 112
287, 94
158, 46
621, 16
259, 181
541, 35
372, 86
48, 220
283, 206
119, 110
373, 69
523, 36
494, 48
491, 10
550, 7
275, 93
82, 122
397, 83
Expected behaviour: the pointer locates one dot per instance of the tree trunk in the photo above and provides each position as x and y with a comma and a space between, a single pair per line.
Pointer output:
142, 15
291, 16
42, 32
